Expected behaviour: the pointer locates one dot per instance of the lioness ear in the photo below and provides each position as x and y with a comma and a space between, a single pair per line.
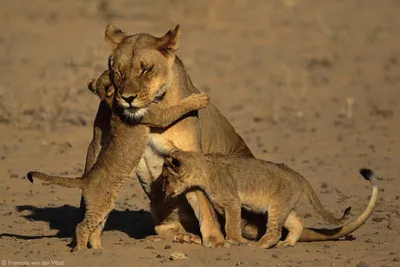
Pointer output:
169, 43
114, 36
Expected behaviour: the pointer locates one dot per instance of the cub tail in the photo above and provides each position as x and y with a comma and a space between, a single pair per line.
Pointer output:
57, 180
316, 203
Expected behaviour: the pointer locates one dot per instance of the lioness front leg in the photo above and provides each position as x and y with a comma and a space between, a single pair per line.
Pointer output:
209, 226
169, 228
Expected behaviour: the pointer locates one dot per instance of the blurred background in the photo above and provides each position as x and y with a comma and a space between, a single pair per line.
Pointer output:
314, 84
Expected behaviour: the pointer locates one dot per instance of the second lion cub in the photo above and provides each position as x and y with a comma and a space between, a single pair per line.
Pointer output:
232, 183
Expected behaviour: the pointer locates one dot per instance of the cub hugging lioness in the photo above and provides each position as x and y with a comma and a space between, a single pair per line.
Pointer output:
101, 184
232, 183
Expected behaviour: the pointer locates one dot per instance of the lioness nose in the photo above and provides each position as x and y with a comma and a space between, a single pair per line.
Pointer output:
129, 99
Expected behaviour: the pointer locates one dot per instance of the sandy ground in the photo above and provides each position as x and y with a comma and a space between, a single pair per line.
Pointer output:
314, 84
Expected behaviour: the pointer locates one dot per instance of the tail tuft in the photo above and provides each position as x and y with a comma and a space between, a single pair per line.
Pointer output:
366, 173
29, 176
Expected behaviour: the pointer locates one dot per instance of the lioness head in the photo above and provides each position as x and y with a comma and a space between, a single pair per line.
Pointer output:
140, 67
181, 171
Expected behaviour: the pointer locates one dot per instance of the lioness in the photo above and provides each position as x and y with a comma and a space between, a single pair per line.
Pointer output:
141, 67
232, 183
141, 54
101, 184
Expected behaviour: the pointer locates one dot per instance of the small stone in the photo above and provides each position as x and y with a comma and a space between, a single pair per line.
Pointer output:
159, 256
167, 247
257, 119
369, 240
274, 256
149, 247
178, 256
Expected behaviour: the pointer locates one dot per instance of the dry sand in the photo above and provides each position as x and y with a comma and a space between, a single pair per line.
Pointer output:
314, 84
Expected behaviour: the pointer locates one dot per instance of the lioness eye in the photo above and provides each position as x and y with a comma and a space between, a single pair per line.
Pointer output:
145, 69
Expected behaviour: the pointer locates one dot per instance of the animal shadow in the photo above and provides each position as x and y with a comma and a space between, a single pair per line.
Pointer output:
136, 224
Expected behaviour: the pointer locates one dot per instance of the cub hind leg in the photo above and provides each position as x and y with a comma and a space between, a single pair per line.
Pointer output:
95, 236
277, 215
94, 220
294, 225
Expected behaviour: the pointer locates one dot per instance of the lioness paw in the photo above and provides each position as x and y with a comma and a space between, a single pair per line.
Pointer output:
213, 242
187, 238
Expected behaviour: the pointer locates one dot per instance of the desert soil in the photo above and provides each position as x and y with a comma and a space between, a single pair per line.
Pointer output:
314, 84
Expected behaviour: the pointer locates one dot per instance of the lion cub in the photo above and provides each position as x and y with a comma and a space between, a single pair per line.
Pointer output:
125, 148
235, 182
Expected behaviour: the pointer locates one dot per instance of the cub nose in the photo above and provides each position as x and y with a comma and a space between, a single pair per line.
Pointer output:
129, 99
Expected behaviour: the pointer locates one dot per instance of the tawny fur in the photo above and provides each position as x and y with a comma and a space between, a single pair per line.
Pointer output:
232, 183
142, 66
125, 146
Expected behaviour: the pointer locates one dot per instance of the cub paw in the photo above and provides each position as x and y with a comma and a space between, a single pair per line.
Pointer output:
284, 244
198, 101
236, 243
265, 244
77, 249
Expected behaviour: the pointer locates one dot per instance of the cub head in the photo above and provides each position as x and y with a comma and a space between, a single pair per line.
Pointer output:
180, 172
140, 68
103, 87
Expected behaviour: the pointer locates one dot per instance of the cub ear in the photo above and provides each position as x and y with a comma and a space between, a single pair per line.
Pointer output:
110, 90
169, 43
114, 36
92, 86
